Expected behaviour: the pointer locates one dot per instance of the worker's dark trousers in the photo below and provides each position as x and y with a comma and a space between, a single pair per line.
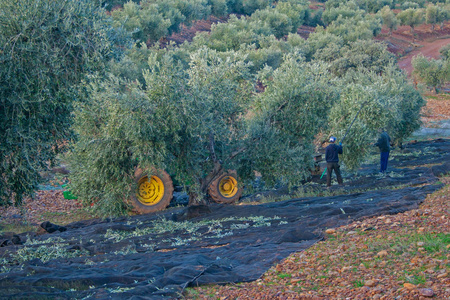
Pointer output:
384, 156
330, 167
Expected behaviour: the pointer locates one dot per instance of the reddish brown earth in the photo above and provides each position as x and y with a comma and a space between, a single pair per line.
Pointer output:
426, 42
428, 49
187, 33
375, 258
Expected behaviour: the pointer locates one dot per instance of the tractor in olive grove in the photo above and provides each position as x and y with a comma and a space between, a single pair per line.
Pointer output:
154, 192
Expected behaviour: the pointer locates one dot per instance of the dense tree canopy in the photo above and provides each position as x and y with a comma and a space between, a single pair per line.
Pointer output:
46, 49
386, 101
436, 14
184, 120
291, 111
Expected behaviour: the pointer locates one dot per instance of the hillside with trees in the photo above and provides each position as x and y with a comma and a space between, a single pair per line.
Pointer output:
250, 90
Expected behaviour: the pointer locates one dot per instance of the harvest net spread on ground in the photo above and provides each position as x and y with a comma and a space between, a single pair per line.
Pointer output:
158, 255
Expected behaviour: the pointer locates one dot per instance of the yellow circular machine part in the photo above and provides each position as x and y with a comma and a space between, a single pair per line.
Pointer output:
150, 191
228, 186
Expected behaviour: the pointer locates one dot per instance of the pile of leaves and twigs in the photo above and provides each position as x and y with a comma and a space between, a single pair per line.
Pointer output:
402, 256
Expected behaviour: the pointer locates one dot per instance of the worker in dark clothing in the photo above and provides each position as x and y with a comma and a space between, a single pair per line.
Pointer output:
383, 143
332, 157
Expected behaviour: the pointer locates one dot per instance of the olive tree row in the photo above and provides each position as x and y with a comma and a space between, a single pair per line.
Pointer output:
217, 7
192, 121
150, 20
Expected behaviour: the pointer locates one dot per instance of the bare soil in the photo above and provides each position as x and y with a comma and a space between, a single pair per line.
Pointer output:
424, 41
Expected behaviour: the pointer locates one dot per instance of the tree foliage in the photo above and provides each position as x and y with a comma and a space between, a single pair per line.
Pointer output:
359, 27
183, 120
389, 19
411, 17
433, 72
385, 101
46, 49
193, 109
290, 112
374, 6
344, 10
445, 52
436, 14
369, 6
150, 20
367, 54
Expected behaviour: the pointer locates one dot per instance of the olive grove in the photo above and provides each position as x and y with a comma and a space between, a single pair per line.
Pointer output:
250, 95
195, 109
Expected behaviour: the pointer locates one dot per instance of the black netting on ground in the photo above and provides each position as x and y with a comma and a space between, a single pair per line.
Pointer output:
158, 255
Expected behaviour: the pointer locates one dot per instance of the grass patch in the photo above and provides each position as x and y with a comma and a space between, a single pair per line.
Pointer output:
358, 283
433, 242
429, 242
284, 275
440, 97
412, 278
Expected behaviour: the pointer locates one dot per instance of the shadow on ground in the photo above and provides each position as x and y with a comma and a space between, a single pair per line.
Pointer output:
159, 255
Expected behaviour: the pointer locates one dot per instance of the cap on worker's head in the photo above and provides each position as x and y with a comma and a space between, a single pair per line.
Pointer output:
332, 139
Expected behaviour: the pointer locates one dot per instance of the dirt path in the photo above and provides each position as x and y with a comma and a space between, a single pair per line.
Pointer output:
427, 48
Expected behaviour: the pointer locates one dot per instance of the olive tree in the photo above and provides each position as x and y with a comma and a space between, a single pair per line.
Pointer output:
344, 10
368, 54
291, 111
186, 121
232, 35
411, 17
359, 27
250, 6
389, 19
374, 6
46, 48
387, 101
150, 20
219, 8
436, 14
445, 52
145, 23
279, 23
297, 11
433, 72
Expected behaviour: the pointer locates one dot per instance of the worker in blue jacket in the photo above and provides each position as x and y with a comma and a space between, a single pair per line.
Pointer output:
332, 152
384, 143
